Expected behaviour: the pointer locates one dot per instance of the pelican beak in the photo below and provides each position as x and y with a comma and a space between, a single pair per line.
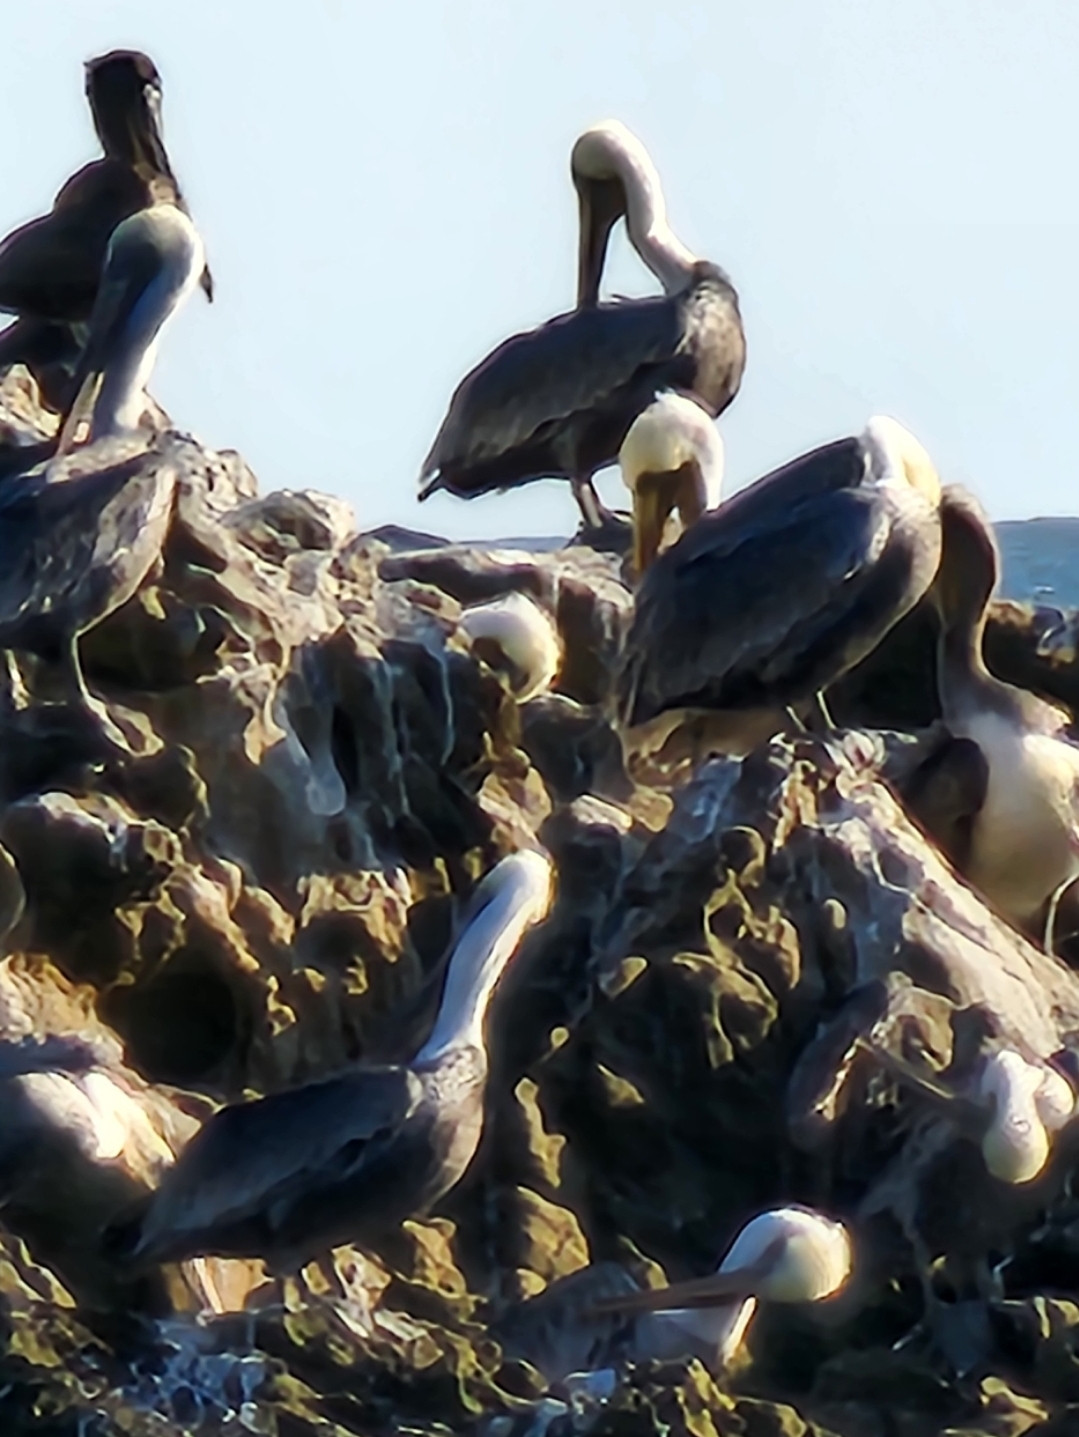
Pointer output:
655, 497
601, 204
652, 502
714, 1291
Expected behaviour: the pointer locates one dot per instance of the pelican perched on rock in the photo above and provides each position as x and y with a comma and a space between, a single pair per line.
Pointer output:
1024, 835
1011, 1103
83, 1135
50, 267
514, 636
79, 537
671, 458
152, 264
787, 1254
769, 599
291, 1176
558, 401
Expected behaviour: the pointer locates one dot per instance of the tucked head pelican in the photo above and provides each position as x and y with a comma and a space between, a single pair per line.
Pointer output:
348, 1159
770, 598
1010, 1104
787, 1254
672, 458
558, 401
515, 636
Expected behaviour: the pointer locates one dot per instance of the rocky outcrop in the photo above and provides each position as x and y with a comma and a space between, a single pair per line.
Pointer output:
263, 891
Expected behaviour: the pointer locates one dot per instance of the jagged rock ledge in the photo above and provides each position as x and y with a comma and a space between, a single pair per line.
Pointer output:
264, 892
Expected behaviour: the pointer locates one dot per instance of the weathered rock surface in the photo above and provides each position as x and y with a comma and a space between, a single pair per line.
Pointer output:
264, 892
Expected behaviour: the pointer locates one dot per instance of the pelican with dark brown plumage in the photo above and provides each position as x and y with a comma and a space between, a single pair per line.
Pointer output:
767, 600
50, 268
558, 401
291, 1176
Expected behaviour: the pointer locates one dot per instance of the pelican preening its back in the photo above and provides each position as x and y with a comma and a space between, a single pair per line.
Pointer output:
787, 1254
793, 581
1024, 841
346, 1160
558, 401
50, 267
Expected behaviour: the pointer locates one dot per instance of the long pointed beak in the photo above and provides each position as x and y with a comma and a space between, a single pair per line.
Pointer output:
714, 1291
596, 222
654, 497
941, 1094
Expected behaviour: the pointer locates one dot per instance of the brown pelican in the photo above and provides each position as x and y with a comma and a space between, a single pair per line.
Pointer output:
1010, 1103
513, 635
78, 544
1024, 836
50, 267
671, 458
83, 1135
347, 1159
769, 599
787, 1254
557, 401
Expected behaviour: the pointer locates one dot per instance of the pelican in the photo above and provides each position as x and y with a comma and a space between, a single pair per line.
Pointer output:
1010, 1103
291, 1176
515, 636
787, 1254
769, 599
1024, 837
76, 545
83, 1135
50, 267
671, 458
558, 400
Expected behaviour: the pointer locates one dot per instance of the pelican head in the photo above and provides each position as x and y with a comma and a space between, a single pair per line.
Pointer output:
671, 458
512, 898
895, 456
787, 1254
614, 177
969, 563
152, 264
790, 1254
1027, 1101
514, 634
124, 92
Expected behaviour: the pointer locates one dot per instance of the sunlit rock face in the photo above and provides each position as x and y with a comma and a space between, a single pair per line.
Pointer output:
264, 890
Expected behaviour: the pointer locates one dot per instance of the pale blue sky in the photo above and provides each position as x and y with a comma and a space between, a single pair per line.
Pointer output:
384, 195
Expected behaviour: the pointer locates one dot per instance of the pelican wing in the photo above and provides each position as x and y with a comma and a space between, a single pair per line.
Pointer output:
535, 381
48, 536
251, 1159
760, 604
51, 266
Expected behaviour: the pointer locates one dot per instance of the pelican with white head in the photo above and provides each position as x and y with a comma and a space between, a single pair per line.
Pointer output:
672, 458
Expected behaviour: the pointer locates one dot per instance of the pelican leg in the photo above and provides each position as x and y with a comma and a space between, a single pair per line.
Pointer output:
819, 718
88, 703
797, 723
593, 512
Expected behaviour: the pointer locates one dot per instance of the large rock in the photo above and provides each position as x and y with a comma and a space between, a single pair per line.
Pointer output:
264, 892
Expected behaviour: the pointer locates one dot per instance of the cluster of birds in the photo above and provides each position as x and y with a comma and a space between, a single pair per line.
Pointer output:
741, 623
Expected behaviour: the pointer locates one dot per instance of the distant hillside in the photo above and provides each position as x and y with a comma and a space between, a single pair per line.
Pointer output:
1041, 560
